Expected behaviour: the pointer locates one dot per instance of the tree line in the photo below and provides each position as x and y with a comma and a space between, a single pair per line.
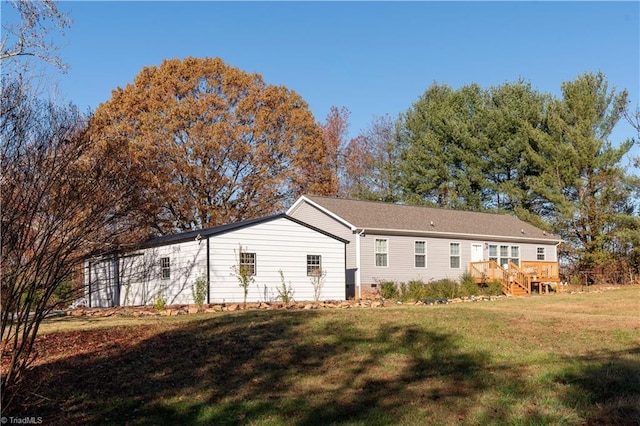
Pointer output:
510, 148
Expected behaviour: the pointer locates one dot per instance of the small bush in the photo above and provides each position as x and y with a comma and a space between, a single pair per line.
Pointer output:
444, 288
492, 288
468, 285
199, 291
389, 289
415, 290
402, 290
285, 292
160, 302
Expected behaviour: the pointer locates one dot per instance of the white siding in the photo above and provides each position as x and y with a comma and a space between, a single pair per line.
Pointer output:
140, 276
279, 245
100, 282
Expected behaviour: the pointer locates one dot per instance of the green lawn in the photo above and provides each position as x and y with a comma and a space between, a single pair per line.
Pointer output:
558, 359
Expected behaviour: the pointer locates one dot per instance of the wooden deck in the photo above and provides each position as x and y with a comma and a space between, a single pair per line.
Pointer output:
518, 280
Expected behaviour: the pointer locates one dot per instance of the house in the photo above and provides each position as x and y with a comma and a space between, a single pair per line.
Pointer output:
402, 243
167, 267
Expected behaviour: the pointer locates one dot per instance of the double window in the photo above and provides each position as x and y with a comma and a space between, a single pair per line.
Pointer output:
420, 254
382, 252
540, 253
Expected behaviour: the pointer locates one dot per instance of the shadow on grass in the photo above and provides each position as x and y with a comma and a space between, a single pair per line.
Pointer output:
604, 388
310, 367
270, 368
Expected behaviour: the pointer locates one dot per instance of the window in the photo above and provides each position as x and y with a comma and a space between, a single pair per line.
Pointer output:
248, 262
504, 255
540, 253
507, 254
515, 255
314, 265
165, 268
420, 253
493, 252
454, 255
382, 247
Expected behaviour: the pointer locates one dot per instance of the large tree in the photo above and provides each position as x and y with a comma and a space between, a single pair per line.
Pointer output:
335, 131
441, 156
218, 144
588, 193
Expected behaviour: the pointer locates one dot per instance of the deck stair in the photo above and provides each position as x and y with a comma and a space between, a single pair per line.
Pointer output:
517, 280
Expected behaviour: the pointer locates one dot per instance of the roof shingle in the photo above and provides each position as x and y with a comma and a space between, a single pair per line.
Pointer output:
372, 215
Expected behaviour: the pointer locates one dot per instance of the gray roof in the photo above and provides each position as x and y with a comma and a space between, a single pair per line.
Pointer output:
397, 218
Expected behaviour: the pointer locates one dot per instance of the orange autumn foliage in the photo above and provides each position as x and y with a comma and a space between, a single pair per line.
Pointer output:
216, 144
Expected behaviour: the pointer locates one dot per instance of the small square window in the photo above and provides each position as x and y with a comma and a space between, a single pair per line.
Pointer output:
314, 265
248, 262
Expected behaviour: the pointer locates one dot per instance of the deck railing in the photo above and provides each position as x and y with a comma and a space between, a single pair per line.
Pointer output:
489, 270
541, 270
523, 275
519, 277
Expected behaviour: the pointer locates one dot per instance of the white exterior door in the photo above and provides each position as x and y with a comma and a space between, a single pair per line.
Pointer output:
477, 254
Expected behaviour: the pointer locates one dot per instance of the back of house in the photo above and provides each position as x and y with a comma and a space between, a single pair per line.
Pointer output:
391, 242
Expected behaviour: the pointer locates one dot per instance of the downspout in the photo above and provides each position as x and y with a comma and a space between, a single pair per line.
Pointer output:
208, 273
89, 274
358, 282
116, 274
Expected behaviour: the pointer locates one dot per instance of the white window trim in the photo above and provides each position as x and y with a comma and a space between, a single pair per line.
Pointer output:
544, 253
375, 252
165, 268
420, 254
459, 255
255, 262
319, 264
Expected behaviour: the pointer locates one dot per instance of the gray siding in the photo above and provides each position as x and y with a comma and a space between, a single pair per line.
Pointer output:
401, 265
312, 215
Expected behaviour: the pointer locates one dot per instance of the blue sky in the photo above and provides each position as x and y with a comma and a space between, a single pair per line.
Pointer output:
374, 58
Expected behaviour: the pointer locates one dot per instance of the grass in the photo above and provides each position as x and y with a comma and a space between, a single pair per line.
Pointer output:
560, 359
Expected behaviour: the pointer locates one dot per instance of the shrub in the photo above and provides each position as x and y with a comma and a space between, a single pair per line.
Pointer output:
199, 291
160, 301
389, 290
243, 274
285, 292
468, 285
492, 288
402, 290
444, 288
317, 281
415, 290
